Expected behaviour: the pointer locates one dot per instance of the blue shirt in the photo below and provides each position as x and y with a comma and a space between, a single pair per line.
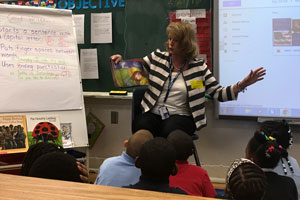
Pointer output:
118, 171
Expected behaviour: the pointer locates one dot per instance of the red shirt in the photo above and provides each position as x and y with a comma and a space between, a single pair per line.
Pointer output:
192, 179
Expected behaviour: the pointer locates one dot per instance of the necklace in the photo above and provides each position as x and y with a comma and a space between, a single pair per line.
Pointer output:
178, 68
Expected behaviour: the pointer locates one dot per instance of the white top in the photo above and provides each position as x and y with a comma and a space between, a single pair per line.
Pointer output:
176, 103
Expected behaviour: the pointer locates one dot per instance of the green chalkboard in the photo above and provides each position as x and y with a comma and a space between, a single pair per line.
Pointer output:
138, 29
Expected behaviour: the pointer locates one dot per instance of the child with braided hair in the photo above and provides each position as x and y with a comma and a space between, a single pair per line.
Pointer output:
266, 153
246, 181
35, 151
287, 166
40, 149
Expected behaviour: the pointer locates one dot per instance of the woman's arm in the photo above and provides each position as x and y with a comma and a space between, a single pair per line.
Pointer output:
251, 78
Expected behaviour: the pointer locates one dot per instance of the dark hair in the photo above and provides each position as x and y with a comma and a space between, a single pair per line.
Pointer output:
136, 142
56, 165
182, 143
35, 151
247, 182
264, 150
157, 158
280, 130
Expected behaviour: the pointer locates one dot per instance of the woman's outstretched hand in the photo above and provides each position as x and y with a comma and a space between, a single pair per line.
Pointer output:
116, 58
253, 77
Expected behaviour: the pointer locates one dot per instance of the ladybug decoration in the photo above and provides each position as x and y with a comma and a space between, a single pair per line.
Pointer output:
45, 131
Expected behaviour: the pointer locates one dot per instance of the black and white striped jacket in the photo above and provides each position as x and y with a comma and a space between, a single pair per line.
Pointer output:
157, 65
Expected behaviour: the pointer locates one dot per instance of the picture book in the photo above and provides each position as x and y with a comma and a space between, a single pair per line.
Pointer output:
66, 132
44, 128
128, 73
13, 134
95, 128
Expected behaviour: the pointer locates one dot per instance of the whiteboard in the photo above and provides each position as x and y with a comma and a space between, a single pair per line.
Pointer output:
249, 34
39, 66
39, 60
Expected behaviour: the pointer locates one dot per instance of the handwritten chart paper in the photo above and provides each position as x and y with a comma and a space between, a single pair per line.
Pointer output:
39, 65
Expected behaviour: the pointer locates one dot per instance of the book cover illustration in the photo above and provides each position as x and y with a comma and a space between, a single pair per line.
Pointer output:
128, 73
13, 134
66, 132
95, 128
43, 129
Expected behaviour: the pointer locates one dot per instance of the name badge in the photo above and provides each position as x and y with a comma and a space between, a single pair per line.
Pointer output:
164, 113
196, 84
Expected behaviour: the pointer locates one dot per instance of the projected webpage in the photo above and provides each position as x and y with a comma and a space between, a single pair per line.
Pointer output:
255, 33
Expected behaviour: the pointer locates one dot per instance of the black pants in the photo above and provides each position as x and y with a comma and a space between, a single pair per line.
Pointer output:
162, 128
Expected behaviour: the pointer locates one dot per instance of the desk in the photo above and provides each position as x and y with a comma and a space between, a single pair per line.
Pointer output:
15, 187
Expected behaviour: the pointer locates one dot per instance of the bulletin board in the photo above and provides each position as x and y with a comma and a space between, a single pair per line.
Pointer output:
138, 29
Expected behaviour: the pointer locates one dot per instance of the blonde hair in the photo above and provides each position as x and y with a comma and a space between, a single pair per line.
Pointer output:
184, 33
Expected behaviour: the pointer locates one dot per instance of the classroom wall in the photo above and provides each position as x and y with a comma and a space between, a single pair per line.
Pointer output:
219, 143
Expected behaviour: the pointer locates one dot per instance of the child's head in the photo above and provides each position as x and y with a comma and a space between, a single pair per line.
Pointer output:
136, 141
245, 181
182, 143
263, 150
280, 130
35, 151
157, 158
56, 165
